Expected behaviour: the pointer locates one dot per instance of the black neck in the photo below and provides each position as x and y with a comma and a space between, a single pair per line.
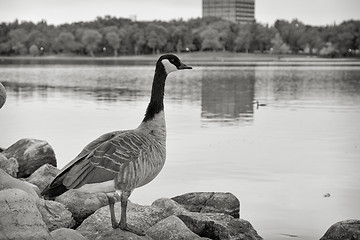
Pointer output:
156, 104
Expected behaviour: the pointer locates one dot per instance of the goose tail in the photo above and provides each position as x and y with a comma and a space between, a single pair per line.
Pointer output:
54, 189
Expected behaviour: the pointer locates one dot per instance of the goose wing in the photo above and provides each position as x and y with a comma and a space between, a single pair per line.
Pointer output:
100, 161
90, 148
56, 187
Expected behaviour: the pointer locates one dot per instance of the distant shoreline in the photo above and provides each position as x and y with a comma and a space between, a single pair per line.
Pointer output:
197, 59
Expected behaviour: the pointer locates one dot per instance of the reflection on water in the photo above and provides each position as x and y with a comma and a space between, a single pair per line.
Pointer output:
99, 83
300, 144
77, 61
228, 95
310, 86
107, 94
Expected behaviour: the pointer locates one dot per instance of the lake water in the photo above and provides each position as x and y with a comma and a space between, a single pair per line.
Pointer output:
293, 161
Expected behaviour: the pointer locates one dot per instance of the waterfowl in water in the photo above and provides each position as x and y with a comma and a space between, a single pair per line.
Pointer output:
121, 161
258, 104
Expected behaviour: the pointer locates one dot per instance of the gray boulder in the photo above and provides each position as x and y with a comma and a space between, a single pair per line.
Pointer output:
155, 221
19, 217
43, 176
219, 226
81, 204
8, 182
210, 202
30, 155
10, 166
66, 234
344, 230
55, 214
171, 228
98, 225
169, 206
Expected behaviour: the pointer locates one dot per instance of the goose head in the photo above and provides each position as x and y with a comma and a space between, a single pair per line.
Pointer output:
170, 63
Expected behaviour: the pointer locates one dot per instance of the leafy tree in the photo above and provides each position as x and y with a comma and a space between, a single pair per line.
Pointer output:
114, 41
211, 40
291, 33
66, 43
209, 33
263, 35
35, 37
34, 50
279, 47
91, 38
228, 33
139, 40
243, 39
17, 40
347, 37
180, 38
329, 50
156, 37
311, 40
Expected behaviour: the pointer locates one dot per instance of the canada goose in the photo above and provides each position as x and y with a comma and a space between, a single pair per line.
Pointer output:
258, 104
121, 161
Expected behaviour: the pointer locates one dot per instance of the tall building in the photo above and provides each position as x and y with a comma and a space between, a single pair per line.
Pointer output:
237, 11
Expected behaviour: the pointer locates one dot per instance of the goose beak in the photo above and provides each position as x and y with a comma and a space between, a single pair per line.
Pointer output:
183, 66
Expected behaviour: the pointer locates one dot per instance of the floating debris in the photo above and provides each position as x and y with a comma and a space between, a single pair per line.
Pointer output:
289, 235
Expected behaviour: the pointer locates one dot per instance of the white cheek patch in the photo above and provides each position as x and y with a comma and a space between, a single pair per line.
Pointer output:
169, 67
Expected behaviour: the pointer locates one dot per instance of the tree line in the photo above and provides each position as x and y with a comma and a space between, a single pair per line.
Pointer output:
111, 36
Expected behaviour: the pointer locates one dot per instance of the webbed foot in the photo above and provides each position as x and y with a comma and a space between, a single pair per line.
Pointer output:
132, 229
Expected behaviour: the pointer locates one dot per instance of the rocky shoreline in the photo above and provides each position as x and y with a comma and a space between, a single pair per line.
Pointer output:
29, 165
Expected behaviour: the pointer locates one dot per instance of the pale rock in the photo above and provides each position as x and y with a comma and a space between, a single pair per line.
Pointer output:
81, 204
210, 202
10, 165
66, 234
171, 228
98, 225
30, 155
169, 206
43, 176
55, 214
8, 182
20, 218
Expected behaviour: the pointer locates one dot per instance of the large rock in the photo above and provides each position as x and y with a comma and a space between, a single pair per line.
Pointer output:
98, 225
209, 225
55, 214
81, 204
169, 206
344, 230
66, 234
30, 154
210, 202
171, 228
10, 166
43, 176
19, 217
219, 226
8, 182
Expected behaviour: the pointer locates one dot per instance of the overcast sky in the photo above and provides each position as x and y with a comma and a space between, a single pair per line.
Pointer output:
313, 12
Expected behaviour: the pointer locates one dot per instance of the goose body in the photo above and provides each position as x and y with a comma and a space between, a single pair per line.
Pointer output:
121, 161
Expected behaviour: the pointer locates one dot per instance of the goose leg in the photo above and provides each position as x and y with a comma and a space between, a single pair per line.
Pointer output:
123, 224
111, 200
